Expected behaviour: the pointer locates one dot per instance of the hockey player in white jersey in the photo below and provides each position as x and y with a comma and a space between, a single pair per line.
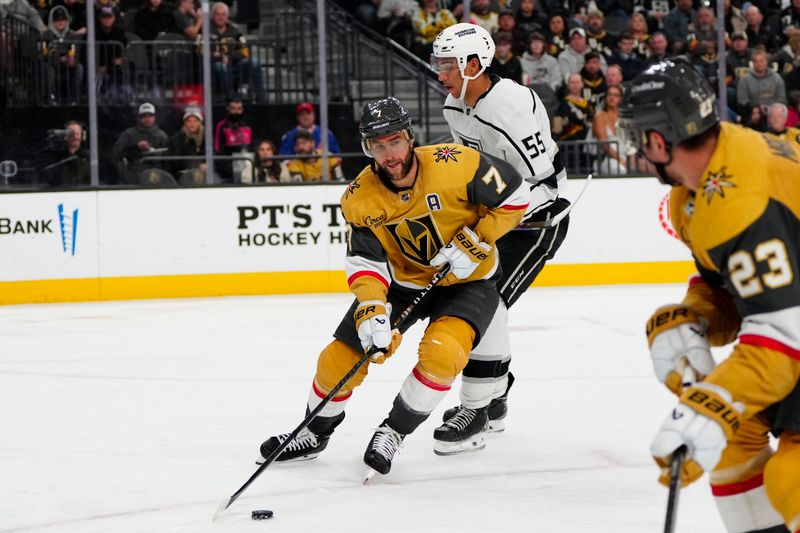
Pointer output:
506, 120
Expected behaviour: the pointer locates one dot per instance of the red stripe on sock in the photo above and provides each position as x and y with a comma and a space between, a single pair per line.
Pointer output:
323, 394
738, 488
772, 344
428, 383
369, 273
694, 279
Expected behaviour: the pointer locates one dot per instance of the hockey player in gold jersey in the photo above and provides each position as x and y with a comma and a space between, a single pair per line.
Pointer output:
410, 212
735, 203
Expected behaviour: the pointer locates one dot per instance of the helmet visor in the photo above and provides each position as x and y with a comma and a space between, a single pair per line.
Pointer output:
443, 64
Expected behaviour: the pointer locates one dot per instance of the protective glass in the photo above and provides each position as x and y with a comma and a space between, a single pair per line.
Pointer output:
631, 138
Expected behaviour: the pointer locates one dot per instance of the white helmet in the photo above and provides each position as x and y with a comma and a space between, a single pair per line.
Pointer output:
460, 41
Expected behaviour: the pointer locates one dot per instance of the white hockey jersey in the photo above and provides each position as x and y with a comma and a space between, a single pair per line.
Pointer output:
510, 122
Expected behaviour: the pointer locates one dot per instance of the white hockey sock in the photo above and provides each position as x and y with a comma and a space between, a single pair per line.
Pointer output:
744, 506
335, 407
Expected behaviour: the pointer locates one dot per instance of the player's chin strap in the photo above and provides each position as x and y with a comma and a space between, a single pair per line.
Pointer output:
467, 79
661, 168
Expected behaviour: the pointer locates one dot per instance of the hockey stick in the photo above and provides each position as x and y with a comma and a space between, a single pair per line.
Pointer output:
674, 488
440, 274
539, 224
689, 377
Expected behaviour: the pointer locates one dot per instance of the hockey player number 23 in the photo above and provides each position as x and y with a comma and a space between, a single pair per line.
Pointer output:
492, 175
743, 269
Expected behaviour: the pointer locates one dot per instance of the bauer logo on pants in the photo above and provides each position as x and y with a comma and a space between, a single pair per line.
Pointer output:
68, 222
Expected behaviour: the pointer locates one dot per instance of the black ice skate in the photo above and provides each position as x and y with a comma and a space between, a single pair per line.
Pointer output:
307, 445
463, 432
381, 449
498, 409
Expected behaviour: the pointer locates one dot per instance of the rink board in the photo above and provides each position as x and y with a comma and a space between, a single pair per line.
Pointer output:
130, 244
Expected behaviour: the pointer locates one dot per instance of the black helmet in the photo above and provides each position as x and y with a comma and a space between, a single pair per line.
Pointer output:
383, 117
670, 97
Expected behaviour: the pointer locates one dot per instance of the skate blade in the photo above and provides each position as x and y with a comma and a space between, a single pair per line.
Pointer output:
260, 460
457, 448
369, 473
496, 426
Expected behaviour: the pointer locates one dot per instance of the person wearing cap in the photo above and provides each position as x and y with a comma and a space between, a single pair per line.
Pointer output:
109, 54
306, 122
505, 64
63, 71
138, 141
572, 59
538, 66
597, 38
310, 169
737, 63
189, 141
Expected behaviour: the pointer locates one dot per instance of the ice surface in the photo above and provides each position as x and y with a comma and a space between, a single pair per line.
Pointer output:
144, 416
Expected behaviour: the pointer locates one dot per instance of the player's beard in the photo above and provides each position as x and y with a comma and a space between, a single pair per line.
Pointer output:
405, 168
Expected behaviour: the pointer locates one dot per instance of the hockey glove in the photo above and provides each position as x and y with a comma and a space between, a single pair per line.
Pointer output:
676, 333
375, 329
464, 253
704, 420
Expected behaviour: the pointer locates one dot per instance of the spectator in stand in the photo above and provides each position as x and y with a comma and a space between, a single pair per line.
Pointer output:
753, 117
428, 21
571, 60
624, 56
791, 76
505, 64
529, 19
100, 4
614, 76
22, 10
706, 62
77, 14
777, 114
68, 161
310, 169
704, 30
637, 27
538, 66
232, 64
482, 15
557, 37
507, 23
659, 45
63, 71
151, 19
597, 38
759, 32
306, 121
594, 82
110, 55
761, 85
680, 23
188, 20
573, 118
189, 141
263, 169
787, 59
790, 19
734, 18
571, 122
737, 63
655, 11
394, 20
145, 138
613, 157
794, 109
232, 136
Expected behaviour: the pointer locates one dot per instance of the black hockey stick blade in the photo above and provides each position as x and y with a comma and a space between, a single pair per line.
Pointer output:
674, 489
439, 276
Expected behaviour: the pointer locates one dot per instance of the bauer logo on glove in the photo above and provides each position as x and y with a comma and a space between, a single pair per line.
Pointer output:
464, 253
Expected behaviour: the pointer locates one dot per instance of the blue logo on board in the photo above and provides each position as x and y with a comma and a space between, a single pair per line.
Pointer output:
69, 229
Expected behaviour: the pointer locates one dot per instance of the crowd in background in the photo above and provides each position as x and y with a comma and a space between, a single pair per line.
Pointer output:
577, 55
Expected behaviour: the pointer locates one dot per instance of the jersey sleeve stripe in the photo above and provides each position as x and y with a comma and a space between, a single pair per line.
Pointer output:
772, 344
515, 207
370, 273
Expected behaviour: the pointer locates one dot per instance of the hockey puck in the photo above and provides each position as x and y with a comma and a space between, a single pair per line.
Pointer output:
263, 514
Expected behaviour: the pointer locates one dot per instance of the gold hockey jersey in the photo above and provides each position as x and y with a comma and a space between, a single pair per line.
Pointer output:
743, 227
394, 234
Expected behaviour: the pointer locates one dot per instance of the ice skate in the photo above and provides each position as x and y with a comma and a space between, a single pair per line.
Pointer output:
463, 432
498, 409
307, 445
380, 451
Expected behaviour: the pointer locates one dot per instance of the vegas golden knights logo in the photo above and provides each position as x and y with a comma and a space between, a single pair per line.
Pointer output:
417, 238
